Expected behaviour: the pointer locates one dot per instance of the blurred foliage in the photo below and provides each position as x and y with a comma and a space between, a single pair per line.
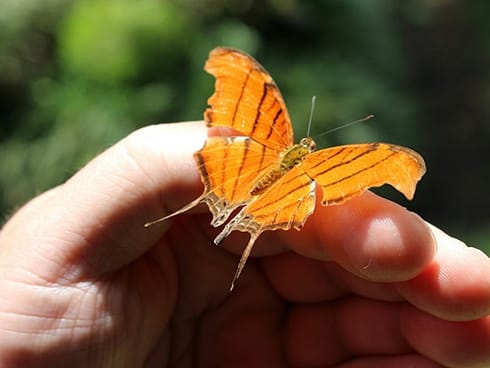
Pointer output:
76, 76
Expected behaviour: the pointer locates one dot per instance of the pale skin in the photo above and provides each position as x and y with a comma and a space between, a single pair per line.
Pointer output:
365, 284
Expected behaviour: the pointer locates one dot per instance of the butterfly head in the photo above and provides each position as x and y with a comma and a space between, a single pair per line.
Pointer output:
295, 154
308, 143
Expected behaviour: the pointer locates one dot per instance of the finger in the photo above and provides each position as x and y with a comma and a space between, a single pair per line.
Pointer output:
453, 344
369, 236
456, 285
327, 334
304, 280
96, 218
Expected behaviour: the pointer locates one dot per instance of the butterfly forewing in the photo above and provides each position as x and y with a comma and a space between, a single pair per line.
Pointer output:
347, 171
247, 99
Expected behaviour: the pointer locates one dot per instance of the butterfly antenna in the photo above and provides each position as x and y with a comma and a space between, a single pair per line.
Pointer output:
346, 125
313, 99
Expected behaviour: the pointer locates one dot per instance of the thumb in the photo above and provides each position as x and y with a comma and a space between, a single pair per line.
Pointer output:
94, 222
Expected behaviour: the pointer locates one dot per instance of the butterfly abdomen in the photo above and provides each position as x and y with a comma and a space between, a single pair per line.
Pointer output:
267, 180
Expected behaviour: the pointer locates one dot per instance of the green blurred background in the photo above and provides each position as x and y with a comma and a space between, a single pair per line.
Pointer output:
77, 76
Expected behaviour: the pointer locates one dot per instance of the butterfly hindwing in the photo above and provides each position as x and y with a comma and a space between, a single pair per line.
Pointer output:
229, 167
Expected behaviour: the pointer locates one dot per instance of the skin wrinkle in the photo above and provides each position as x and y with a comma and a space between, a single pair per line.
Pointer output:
38, 318
56, 255
82, 239
50, 324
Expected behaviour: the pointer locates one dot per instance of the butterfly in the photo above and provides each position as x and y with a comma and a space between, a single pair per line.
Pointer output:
260, 170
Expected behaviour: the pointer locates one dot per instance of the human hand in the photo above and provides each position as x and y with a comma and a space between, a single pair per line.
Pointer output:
367, 283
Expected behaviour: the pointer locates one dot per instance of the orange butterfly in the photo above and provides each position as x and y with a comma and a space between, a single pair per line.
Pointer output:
264, 172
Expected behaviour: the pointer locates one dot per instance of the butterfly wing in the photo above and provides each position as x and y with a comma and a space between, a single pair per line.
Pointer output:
247, 99
229, 168
346, 171
285, 204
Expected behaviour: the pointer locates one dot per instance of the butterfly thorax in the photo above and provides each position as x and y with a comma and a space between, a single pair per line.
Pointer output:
290, 158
